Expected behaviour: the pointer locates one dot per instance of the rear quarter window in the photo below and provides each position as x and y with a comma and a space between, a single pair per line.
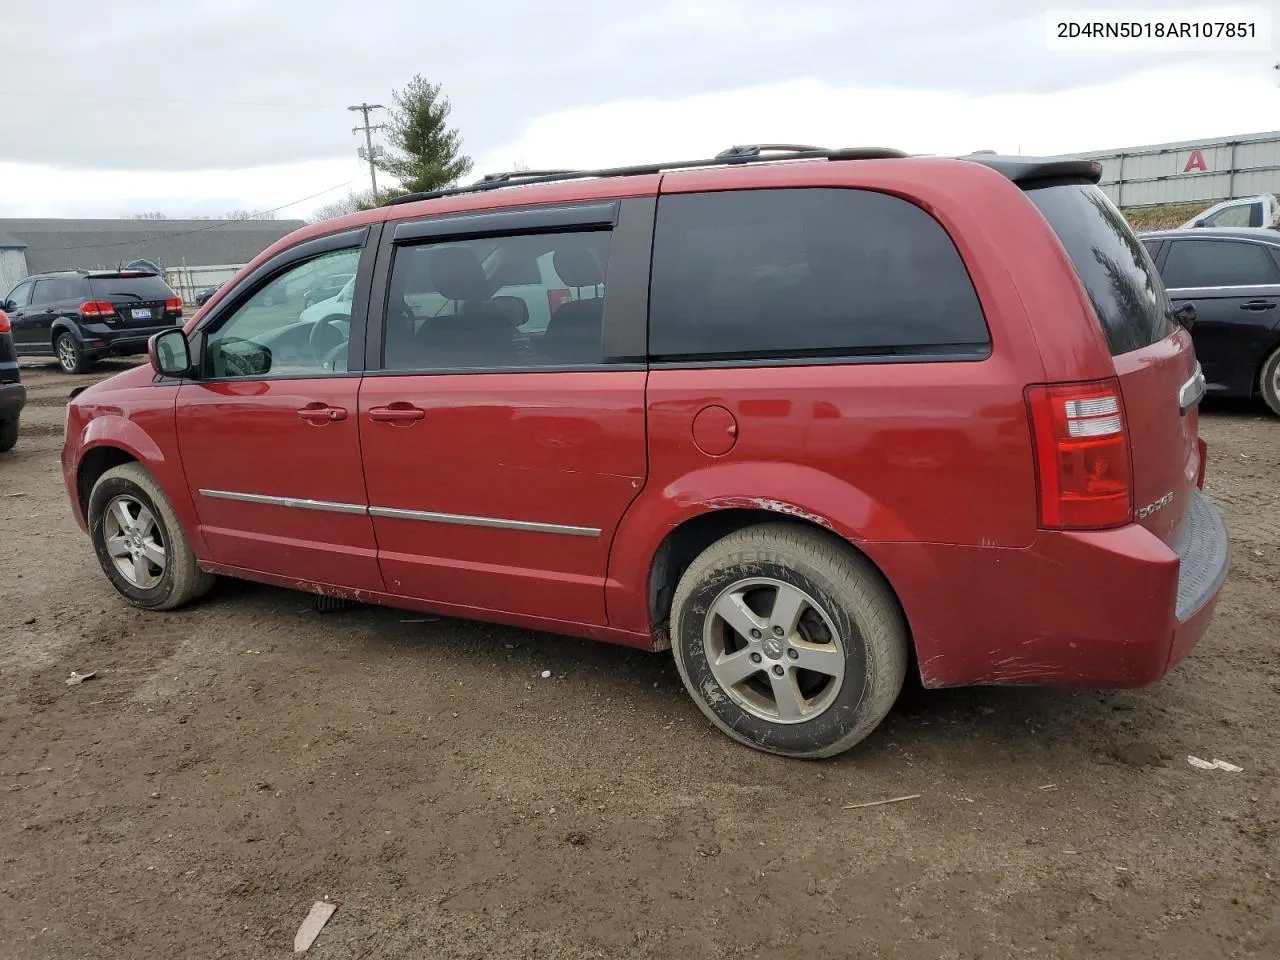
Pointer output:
807, 273
1116, 271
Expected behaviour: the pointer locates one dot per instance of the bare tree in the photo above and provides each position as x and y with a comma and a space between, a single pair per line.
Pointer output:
353, 201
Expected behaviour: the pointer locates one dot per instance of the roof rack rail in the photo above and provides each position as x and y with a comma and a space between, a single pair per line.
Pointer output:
509, 176
760, 153
739, 152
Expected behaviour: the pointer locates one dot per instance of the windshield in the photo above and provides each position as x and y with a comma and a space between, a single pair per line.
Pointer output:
1115, 269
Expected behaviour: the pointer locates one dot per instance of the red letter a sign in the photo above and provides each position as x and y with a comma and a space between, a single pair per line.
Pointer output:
1195, 162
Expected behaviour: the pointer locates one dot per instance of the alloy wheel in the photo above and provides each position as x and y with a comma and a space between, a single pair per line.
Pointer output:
774, 650
134, 542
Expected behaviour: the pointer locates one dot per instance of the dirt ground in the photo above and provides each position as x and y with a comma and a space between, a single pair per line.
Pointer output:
236, 761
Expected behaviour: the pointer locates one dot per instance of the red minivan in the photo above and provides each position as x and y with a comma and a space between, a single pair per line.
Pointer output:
800, 416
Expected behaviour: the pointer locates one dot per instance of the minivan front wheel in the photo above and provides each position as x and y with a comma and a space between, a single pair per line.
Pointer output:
788, 640
71, 358
139, 541
1269, 381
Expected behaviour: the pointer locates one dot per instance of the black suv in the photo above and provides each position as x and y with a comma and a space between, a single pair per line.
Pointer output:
78, 316
12, 394
1231, 275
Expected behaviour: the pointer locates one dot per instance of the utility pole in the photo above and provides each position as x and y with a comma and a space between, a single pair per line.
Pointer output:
365, 109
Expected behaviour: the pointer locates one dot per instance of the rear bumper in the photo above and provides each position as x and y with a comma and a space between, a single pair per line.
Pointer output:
13, 397
1111, 608
102, 340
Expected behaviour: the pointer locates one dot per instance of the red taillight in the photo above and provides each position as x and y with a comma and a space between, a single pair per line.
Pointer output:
557, 297
96, 310
5, 326
1082, 455
173, 305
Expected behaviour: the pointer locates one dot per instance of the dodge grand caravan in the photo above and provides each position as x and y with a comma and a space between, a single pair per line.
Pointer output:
803, 417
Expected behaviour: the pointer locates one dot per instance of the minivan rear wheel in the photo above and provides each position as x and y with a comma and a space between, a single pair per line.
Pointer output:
140, 543
1269, 381
788, 640
8, 434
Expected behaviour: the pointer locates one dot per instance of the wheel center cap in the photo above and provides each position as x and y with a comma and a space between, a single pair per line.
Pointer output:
773, 648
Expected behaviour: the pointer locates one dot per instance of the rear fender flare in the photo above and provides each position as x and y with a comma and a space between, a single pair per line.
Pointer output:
62, 325
787, 490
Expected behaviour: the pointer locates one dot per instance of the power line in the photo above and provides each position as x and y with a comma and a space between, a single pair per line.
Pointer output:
187, 233
49, 94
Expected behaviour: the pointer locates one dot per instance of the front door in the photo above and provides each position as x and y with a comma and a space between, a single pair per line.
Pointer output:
503, 436
1235, 287
24, 317
268, 432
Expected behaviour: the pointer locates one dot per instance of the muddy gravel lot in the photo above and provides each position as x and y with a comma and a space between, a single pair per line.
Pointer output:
234, 762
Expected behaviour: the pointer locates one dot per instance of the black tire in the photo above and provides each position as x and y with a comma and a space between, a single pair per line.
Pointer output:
846, 592
71, 356
1269, 382
181, 580
8, 434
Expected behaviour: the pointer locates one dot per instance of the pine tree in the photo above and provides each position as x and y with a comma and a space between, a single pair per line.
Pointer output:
425, 152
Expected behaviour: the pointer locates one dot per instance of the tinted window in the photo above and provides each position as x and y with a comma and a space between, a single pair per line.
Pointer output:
1240, 215
146, 288
806, 273
20, 295
510, 302
275, 333
1115, 270
1218, 263
57, 289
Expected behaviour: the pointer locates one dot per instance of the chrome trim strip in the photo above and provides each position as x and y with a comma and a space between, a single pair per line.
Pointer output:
1231, 286
1191, 392
395, 513
325, 506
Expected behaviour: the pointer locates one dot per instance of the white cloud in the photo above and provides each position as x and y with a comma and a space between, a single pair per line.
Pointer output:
1160, 105
1176, 103
32, 190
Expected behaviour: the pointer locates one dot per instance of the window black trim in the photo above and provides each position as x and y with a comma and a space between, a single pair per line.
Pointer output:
366, 238
809, 360
626, 308
539, 219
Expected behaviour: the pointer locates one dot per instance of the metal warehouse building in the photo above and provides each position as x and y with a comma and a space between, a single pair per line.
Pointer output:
193, 253
1190, 171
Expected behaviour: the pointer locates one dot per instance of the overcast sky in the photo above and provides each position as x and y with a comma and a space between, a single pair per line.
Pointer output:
204, 106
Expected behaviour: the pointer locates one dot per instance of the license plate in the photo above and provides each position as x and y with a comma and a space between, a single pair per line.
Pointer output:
142, 314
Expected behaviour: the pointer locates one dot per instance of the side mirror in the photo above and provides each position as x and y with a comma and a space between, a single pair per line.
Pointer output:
170, 353
6, 305
1185, 314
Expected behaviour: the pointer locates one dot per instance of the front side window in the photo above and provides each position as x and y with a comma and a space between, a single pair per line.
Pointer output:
20, 295
527, 301
1218, 263
1240, 215
280, 332
806, 273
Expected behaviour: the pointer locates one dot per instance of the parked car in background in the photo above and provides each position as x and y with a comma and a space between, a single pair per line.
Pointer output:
12, 394
78, 316
1260, 211
1232, 278
794, 421
203, 296
327, 289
